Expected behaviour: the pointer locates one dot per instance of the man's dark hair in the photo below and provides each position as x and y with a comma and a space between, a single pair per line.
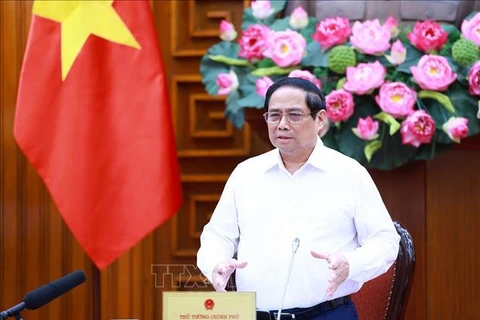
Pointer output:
314, 98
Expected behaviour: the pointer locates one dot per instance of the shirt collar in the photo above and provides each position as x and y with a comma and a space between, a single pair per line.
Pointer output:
317, 159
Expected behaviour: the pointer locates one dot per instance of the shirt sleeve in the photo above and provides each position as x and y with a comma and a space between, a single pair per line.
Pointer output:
376, 233
220, 236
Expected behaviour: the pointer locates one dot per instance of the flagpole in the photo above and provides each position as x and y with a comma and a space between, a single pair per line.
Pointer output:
96, 296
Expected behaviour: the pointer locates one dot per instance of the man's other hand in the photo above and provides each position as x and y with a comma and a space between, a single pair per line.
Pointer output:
222, 272
340, 270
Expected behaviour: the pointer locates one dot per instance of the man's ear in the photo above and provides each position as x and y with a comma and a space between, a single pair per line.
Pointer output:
322, 122
322, 116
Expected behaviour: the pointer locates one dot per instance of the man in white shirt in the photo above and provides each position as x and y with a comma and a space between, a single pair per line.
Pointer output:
307, 223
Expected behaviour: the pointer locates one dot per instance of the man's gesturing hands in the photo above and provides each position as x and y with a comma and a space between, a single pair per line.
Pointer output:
222, 272
340, 270
336, 262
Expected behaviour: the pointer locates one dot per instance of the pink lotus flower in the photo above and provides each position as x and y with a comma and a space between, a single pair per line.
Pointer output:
471, 29
262, 85
261, 9
398, 53
286, 48
474, 79
433, 73
332, 31
392, 24
253, 42
365, 77
370, 37
299, 18
417, 128
227, 82
456, 128
366, 129
396, 99
307, 75
339, 105
427, 36
227, 31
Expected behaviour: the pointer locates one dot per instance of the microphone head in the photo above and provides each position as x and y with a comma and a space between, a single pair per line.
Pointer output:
295, 244
43, 295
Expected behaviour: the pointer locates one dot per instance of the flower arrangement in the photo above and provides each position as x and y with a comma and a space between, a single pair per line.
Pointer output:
393, 94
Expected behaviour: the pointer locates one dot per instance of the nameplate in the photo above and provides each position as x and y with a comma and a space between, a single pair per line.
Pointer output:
209, 305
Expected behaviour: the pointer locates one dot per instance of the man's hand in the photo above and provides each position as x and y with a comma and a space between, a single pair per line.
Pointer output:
222, 272
340, 270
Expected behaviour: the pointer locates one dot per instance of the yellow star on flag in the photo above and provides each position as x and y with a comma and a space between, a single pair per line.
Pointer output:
81, 18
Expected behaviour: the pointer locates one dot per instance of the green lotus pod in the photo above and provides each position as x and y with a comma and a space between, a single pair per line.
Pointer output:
465, 52
340, 58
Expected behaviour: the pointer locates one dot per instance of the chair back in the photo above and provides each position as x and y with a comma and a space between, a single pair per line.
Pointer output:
385, 297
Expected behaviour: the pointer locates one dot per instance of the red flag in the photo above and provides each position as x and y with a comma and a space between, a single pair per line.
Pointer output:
93, 117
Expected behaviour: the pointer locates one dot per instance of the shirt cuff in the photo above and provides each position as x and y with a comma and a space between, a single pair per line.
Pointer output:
354, 263
208, 263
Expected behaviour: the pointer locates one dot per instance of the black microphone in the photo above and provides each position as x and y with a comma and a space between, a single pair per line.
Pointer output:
43, 295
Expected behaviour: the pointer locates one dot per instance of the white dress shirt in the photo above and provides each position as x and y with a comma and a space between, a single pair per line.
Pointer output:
331, 204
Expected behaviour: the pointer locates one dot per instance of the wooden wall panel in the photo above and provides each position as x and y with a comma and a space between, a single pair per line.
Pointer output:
127, 286
9, 257
403, 191
202, 130
453, 218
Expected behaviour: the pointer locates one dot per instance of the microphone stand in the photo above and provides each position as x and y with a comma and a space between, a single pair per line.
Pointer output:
5, 316
295, 244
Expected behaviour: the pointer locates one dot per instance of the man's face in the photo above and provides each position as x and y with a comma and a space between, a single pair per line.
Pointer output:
293, 138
